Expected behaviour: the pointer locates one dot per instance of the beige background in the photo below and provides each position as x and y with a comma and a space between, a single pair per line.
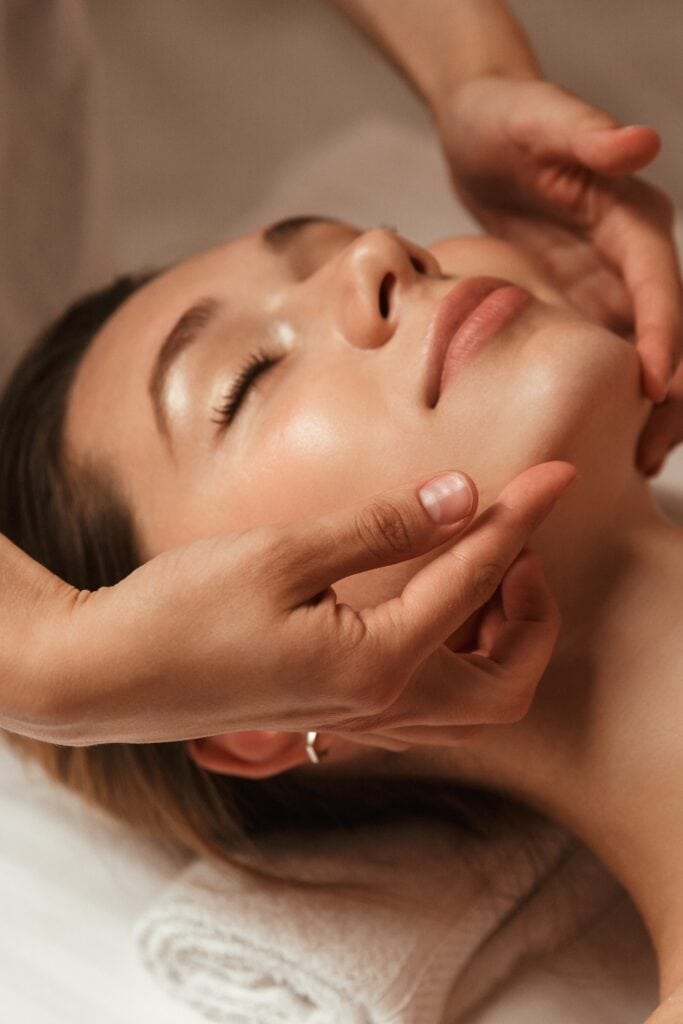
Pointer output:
224, 113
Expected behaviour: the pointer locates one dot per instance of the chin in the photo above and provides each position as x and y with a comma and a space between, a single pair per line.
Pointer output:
569, 393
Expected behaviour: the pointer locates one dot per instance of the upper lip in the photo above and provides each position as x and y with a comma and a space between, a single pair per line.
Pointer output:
452, 311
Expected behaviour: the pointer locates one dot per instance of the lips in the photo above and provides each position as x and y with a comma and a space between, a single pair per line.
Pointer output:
467, 317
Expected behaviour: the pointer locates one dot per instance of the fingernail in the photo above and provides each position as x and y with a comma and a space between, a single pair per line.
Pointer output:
447, 498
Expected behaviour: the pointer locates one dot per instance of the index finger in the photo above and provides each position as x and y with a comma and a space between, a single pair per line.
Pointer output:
443, 594
638, 242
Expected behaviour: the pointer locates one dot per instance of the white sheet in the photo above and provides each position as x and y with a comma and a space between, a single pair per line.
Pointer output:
71, 884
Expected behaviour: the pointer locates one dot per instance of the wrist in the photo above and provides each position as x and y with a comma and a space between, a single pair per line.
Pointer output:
488, 43
75, 665
38, 681
452, 93
440, 45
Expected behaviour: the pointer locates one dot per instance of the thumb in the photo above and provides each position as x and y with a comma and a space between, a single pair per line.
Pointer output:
560, 125
390, 527
615, 149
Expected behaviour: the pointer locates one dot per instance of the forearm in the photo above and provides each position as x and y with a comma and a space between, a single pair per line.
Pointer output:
439, 44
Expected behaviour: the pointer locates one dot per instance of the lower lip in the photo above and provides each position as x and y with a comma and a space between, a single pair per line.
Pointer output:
494, 312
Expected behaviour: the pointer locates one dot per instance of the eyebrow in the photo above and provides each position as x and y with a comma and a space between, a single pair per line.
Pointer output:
279, 235
185, 331
195, 321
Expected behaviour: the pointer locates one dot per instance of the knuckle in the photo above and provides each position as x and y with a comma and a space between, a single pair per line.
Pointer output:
384, 529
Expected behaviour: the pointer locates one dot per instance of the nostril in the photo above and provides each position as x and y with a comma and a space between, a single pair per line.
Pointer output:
388, 282
418, 265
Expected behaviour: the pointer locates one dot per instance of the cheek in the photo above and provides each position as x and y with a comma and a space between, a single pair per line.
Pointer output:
311, 456
307, 459
566, 391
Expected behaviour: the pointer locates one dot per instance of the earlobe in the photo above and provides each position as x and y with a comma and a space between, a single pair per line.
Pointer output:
256, 754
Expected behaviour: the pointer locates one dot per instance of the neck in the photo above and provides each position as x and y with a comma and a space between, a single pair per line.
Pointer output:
600, 750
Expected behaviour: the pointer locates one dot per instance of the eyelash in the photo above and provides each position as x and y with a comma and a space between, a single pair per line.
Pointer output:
256, 364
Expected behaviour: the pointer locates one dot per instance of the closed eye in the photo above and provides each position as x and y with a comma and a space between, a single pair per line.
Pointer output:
258, 363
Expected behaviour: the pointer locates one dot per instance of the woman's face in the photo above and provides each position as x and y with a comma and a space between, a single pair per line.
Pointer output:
348, 407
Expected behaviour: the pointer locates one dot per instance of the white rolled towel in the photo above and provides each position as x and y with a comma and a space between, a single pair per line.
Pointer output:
376, 927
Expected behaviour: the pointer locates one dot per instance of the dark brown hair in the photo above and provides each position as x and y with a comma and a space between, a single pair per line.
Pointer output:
73, 520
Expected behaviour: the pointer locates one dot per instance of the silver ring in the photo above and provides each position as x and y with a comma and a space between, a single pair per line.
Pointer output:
312, 753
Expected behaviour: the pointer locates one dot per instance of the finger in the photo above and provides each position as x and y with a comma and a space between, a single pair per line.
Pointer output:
391, 527
491, 621
663, 430
453, 586
523, 633
464, 692
561, 125
567, 127
569, 258
640, 244
522, 641
486, 688
615, 149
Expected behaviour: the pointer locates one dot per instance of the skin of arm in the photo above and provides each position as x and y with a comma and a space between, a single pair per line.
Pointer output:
28, 591
459, 40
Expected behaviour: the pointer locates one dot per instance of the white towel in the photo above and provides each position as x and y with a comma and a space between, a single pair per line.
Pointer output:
402, 924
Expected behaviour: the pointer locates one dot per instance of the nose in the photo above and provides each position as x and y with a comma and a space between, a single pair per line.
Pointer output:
373, 275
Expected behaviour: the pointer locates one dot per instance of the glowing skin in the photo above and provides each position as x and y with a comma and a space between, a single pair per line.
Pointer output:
344, 415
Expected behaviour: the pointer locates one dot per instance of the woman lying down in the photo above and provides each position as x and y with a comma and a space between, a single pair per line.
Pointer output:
287, 373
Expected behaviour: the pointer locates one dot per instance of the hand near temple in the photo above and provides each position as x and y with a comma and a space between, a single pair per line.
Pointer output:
664, 428
553, 175
244, 631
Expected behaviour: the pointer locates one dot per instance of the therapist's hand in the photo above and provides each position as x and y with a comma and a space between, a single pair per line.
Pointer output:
663, 430
554, 175
243, 631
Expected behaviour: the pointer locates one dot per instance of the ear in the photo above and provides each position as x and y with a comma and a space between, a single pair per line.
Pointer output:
252, 755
